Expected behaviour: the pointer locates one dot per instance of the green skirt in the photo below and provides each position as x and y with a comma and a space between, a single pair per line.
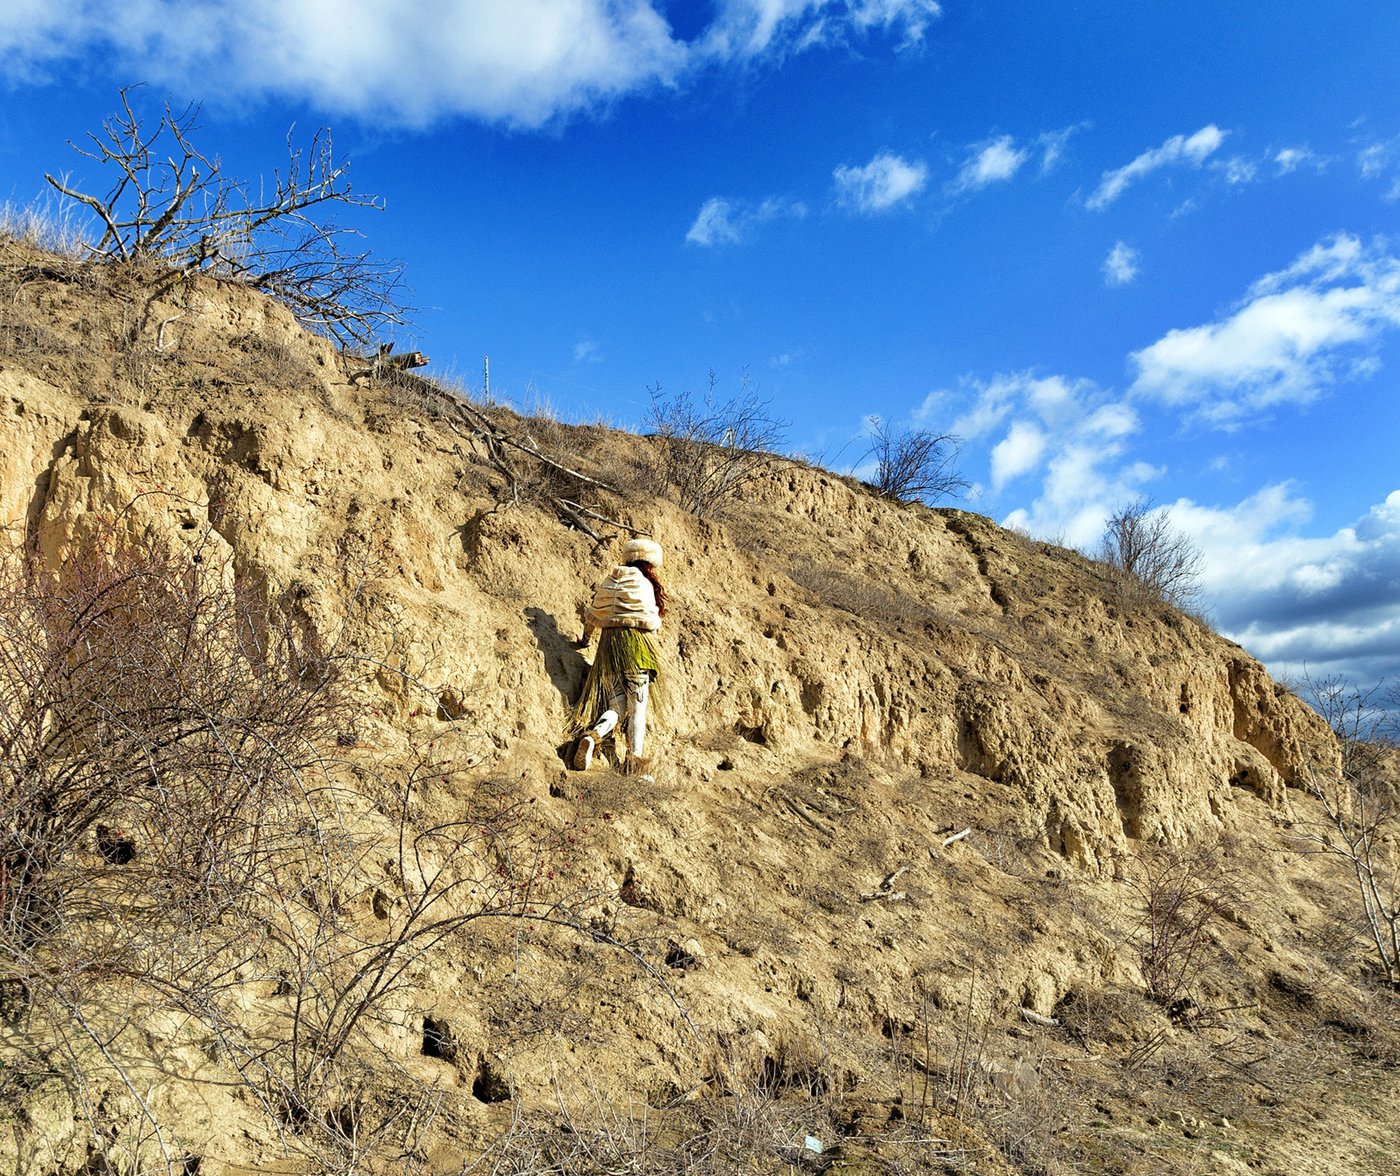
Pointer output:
620, 652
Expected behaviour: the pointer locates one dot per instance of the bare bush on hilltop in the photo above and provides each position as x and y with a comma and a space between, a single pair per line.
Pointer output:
706, 452
914, 464
1151, 557
170, 207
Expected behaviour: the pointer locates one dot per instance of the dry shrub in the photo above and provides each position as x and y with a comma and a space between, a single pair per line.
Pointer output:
176, 828
1152, 560
1180, 892
914, 464
707, 452
861, 596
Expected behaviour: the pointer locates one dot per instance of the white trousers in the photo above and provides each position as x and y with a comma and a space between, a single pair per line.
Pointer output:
630, 700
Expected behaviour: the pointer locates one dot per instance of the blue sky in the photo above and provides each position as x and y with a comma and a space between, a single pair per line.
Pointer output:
1120, 250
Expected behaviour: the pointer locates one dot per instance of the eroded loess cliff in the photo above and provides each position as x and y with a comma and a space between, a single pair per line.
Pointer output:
852, 683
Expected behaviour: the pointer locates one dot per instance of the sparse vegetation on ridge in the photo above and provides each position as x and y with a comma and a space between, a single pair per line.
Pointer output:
914, 463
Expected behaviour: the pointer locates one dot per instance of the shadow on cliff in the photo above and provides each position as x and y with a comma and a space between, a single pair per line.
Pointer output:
564, 664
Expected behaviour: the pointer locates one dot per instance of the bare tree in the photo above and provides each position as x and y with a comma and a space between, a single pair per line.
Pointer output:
160, 742
1361, 808
707, 452
171, 205
914, 463
1150, 555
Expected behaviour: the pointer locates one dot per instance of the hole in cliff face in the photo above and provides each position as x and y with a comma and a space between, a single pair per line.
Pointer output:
1246, 777
451, 705
781, 1074
438, 1040
116, 847
677, 956
631, 893
972, 755
1127, 789
489, 1085
758, 735
1185, 705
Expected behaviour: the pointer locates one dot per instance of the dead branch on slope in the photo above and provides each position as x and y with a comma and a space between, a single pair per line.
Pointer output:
561, 486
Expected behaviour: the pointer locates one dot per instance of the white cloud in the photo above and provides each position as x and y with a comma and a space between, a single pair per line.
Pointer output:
586, 351
1111, 420
1290, 159
885, 181
1072, 429
1058, 403
1082, 486
728, 222
1121, 265
1192, 149
1019, 452
1330, 603
521, 63
992, 162
1295, 333
715, 224
1052, 146
746, 28
32, 33
1371, 161
1239, 170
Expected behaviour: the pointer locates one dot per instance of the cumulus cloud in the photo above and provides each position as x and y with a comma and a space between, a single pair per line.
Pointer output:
522, 63
729, 222
882, 183
1017, 453
1179, 149
1327, 603
1121, 265
1072, 432
519, 62
994, 161
1295, 333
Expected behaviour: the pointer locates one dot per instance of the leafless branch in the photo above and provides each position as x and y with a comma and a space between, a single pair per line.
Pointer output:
914, 463
171, 206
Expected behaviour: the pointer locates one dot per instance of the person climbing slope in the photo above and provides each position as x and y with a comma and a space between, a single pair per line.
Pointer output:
627, 608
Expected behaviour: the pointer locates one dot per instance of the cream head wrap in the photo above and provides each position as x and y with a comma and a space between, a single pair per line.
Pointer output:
647, 550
